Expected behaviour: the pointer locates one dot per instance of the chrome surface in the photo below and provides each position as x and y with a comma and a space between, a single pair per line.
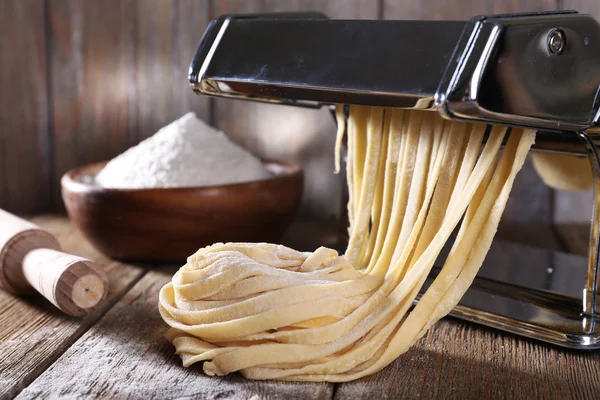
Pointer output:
497, 69
504, 73
530, 292
590, 291
311, 61
556, 41
563, 143
536, 70
537, 293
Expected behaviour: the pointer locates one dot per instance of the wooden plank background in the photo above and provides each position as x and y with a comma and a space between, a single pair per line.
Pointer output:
24, 136
118, 73
81, 81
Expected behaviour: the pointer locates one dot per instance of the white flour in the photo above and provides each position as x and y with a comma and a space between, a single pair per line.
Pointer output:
187, 152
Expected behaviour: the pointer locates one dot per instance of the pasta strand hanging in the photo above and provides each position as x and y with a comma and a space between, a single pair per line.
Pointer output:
271, 312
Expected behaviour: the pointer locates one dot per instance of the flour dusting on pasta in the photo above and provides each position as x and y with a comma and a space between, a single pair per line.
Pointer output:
271, 312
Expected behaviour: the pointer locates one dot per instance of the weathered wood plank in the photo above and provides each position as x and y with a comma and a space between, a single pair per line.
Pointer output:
125, 356
440, 9
583, 6
166, 36
24, 145
191, 19
91, 61
339, 9
291, 133
119, 73
33, 333
458, 360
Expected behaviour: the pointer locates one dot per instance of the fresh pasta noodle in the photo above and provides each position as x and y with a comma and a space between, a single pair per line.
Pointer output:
271, 312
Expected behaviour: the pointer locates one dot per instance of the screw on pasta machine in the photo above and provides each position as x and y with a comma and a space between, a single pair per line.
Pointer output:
556, 41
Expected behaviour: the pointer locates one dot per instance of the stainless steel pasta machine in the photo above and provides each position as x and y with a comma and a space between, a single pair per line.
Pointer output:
536, 70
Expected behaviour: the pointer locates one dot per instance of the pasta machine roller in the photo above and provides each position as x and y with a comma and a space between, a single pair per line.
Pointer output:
536, 70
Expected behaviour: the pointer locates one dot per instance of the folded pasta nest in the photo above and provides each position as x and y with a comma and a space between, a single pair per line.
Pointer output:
271, 312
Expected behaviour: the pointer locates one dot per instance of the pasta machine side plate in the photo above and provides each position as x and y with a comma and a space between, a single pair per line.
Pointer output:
504, 72
530, 70
530, 292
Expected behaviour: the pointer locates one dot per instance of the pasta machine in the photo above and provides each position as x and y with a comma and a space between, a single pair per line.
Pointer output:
535, 70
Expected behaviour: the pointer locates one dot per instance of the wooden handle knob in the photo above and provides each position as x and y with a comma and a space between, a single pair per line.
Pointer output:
73, 284
30, 258
17, 238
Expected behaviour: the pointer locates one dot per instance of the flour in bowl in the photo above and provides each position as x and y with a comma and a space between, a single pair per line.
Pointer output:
185, 153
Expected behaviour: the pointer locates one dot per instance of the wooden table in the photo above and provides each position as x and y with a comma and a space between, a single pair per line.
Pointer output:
120, 352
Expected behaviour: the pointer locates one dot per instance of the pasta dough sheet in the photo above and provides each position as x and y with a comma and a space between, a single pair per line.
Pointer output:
563, 171
271, 312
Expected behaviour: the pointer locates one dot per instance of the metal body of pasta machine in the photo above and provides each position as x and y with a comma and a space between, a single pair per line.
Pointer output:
536, 70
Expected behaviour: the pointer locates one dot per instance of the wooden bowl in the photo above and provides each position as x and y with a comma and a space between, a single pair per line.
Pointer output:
168, 225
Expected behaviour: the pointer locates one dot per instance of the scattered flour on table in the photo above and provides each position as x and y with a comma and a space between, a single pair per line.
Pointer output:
187, 152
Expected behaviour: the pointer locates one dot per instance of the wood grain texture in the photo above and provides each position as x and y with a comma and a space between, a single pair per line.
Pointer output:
463, 10
339, 9
17, 238
457, 360
24, 160
119, 73
91, 65
33, 333
290, 133
169, 225
126, 356
76, 285
30, 261
583, 6
165, 38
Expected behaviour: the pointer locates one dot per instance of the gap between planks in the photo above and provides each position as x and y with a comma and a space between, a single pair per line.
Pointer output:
125, 355
35, 334
136, 306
